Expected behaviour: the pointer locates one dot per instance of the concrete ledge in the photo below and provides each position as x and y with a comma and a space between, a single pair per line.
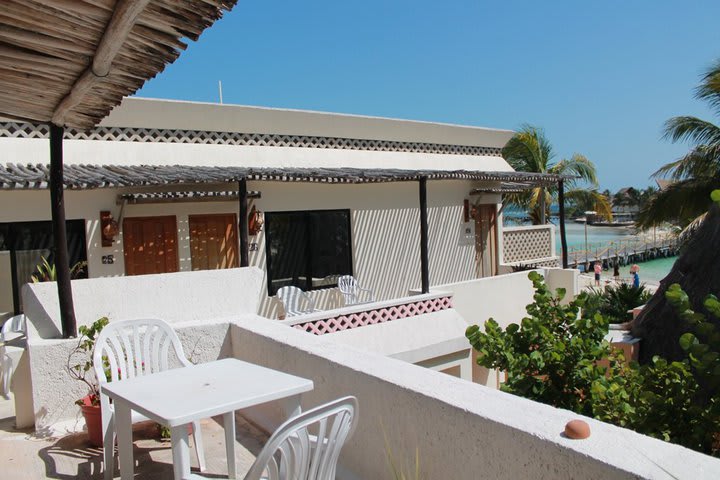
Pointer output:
459, 429
173, 297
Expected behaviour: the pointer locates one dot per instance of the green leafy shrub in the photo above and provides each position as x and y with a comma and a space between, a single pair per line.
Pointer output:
80, 363
46, 272
552, 356
614, 301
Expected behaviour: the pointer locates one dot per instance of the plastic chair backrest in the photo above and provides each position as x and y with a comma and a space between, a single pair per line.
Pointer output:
14, 324
132, 348
348, 286
294, 452
291, 298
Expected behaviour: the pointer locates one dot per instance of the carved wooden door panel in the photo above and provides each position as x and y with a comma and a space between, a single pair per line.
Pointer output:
213, 241
150, 245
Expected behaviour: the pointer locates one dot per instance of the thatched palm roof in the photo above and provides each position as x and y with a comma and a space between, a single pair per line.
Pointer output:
72, 61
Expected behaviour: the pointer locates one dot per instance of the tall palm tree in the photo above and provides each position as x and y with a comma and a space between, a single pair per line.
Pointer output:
530, 151
694, 176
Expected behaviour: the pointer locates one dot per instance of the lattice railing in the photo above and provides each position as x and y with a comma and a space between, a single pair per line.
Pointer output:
128, 134
525, 244
379, 315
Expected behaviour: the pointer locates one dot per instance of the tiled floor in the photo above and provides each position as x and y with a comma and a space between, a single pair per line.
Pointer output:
25, 456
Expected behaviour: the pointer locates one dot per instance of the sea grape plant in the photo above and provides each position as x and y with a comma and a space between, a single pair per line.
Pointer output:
552, 356
559, 358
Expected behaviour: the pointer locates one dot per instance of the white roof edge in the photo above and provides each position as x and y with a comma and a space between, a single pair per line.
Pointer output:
183, 115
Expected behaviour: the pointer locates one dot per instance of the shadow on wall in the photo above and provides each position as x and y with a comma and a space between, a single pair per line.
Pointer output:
386, 254
450, 259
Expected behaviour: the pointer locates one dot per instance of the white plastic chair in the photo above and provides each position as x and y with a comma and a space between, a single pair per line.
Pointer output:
292, 298
307, 446
15, 325
350, 290
128, 349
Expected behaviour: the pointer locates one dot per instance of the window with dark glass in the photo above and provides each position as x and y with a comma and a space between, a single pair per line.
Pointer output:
309, 250
23, 245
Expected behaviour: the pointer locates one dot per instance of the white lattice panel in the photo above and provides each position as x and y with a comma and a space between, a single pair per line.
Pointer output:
28, 130
527, 244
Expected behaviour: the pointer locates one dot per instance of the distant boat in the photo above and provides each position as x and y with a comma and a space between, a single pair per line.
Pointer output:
620, 219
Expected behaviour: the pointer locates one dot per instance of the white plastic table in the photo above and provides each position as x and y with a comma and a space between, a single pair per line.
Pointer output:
175, 398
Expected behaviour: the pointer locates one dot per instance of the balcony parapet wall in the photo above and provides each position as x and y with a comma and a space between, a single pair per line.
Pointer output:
361, 315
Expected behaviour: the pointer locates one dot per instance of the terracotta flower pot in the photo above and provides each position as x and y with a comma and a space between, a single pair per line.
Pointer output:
93, 421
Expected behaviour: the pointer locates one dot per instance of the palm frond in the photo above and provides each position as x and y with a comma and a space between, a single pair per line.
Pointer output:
528, 150
700, 162
579, 166
681, 202
709, 88
687, 232
591, 200
520, 200
693, 129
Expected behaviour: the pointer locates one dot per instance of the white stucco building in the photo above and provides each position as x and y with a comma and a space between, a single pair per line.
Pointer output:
330, 194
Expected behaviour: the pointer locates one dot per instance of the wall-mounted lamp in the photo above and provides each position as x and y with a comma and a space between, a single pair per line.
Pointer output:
109, 228
255, 221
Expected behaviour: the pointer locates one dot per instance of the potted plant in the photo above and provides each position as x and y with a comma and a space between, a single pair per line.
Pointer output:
80, 367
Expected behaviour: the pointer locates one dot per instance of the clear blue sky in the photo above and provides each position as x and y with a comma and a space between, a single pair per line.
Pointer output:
600, 77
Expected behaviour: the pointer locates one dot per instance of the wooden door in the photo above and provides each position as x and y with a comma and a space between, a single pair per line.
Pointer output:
486, 240
150, 245
213, 241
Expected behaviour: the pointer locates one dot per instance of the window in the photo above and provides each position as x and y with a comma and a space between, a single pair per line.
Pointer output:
22, 247
309, 250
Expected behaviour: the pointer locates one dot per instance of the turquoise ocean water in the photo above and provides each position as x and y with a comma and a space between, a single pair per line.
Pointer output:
651, 271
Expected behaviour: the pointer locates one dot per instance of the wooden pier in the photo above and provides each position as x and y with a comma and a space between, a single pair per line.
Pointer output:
624, 252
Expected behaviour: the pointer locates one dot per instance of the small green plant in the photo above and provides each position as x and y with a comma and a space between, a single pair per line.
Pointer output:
399, 472
163, 432
614, 301
80, 364
552, 356
46, 272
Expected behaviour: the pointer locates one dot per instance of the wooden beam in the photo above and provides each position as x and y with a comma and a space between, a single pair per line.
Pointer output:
243, 223
123, 19
563, 237
424, 255
57, 207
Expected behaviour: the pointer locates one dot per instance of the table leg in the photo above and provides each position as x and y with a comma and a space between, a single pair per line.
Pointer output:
291, 406
123, 425
180, 452
229, 423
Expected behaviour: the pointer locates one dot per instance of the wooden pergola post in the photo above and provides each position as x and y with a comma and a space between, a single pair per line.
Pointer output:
57, 208
563, 238
243, 223
424, 251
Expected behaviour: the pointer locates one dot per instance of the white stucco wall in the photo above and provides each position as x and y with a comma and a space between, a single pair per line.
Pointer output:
502, 298
53, 391
183, 115
459, 429
193, 302
385, 222
385, 226
173, 297
23, 150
